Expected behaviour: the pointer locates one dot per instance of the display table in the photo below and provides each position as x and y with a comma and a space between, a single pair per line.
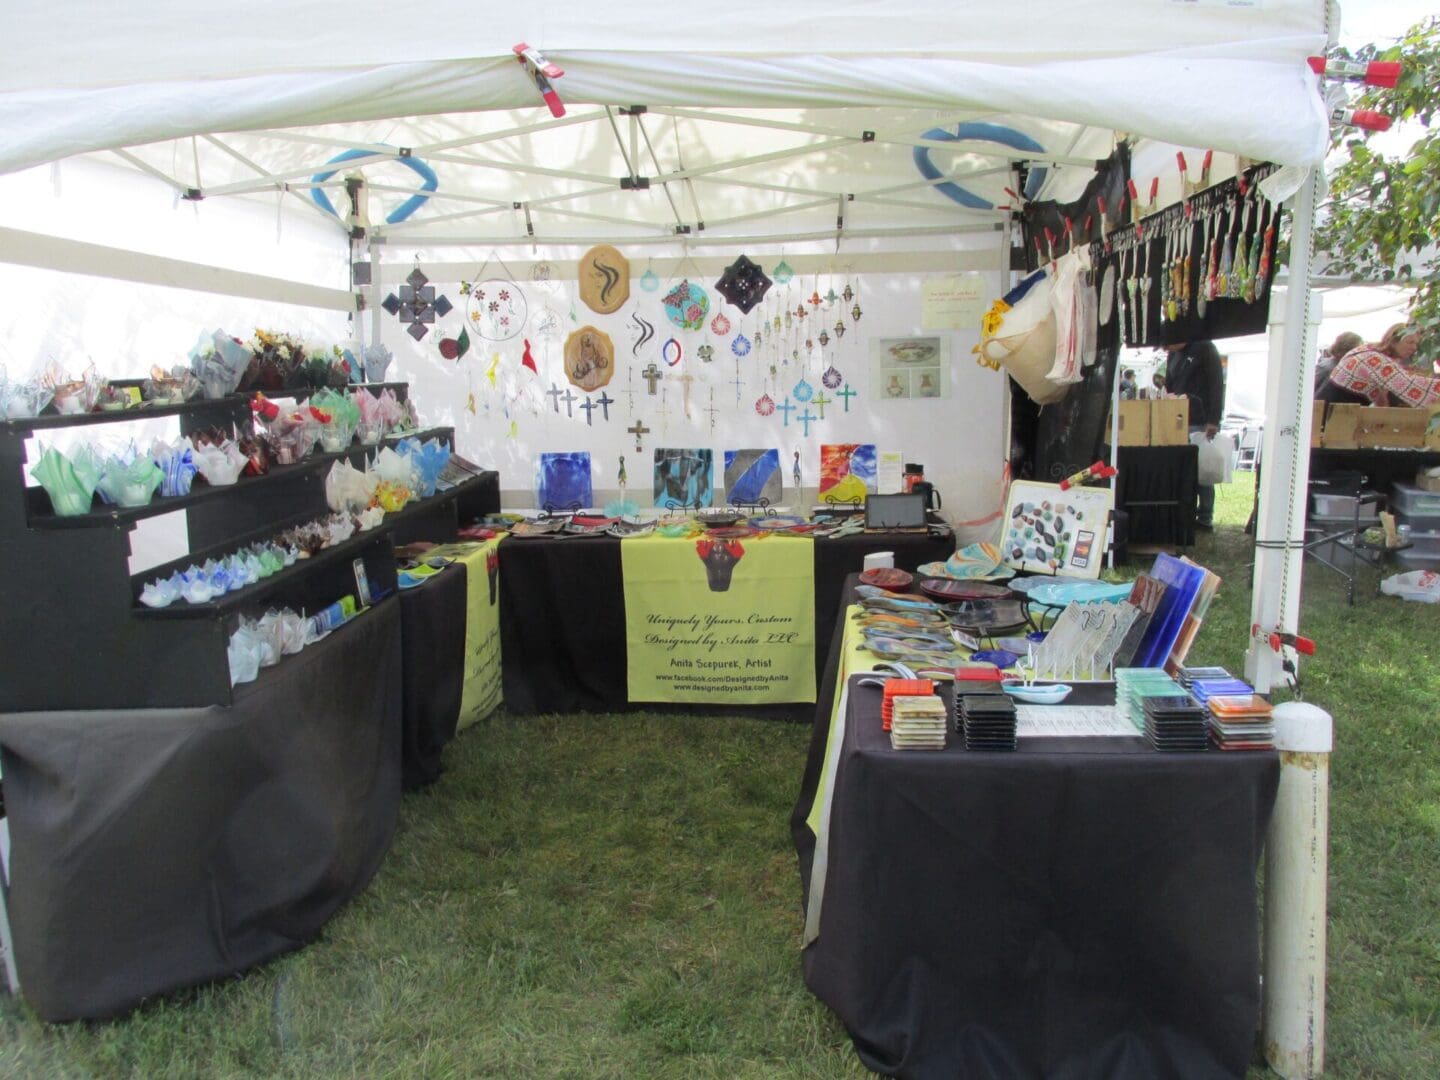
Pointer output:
1078, 908
207, 840
562, 626
1155, 487
1380, 467
433, 672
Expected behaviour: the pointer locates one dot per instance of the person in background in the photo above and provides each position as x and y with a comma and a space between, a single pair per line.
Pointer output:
1157, 385
1385, 373
1127, 384
1194, 370
1331, 356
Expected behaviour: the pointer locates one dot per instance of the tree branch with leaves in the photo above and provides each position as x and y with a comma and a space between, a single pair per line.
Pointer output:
1381, 222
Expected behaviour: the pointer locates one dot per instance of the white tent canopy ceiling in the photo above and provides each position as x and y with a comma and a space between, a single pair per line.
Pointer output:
739, 140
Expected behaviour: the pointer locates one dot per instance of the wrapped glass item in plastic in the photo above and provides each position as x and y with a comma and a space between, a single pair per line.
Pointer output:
377, 362
347, 488
177, 463
244, 654
219, 463
68, 480
128, 479
369, 517
390, 496
21, 399
170, 387
429, 459
343, 416
218, 362
290, 437
397, 468
383, 408
72, 397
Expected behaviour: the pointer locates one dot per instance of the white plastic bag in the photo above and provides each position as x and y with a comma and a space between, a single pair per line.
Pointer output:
1217, 459
1422, 585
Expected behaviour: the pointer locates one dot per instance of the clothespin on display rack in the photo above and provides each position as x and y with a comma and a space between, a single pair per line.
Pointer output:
1104, 222
541, 72
1136, 212
1384, 74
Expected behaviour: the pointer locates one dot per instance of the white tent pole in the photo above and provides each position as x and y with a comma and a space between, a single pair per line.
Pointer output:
376, 311
1279, 531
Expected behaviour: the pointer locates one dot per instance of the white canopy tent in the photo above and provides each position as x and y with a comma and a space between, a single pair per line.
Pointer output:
758, 126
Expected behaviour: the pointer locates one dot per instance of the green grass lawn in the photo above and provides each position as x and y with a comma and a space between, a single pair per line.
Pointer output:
616, 896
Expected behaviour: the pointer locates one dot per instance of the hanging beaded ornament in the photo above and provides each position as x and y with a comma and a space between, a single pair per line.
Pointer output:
832, 377
740, 345
803, 391
720, 325
765, 405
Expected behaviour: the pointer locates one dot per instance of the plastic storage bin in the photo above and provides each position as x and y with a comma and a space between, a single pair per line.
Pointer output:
1412, 501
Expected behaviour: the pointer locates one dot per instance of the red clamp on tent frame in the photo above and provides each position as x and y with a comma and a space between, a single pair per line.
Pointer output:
541, 72
1384, 74
1097, 471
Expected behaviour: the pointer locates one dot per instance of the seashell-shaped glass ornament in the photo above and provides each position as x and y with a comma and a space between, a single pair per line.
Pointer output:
775, 323
848, 294
799, 311
815, 300
803, 391
809, 344
765, 405
782, 272
757, 339
840, 329
720, 325
832, 378
855, 313
831, 296
740, 345
824, 338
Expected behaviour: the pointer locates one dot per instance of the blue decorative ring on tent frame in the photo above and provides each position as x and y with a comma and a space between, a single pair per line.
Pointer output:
979, 132
427, 175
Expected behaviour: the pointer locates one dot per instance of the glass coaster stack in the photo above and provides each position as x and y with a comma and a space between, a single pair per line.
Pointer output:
1175, 723
1134, 685
917, 723
987, 720
1241, 722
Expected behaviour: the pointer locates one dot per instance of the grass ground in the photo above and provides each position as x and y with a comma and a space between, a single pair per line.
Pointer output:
616, 896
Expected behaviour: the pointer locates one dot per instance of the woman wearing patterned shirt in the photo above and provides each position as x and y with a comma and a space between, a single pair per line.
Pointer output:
1379, 375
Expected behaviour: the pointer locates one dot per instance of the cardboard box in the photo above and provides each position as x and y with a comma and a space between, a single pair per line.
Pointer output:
1386, 427
1340, 424
1134, 424
1432, 430
1317, 422
1425, 482
1170, 422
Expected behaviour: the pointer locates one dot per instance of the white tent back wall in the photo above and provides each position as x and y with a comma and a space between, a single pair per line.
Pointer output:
124, 328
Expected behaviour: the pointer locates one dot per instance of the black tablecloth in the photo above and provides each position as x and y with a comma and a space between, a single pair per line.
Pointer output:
1155, 487
156, 849
1079, 908
562, 627
432, 648
1380, 467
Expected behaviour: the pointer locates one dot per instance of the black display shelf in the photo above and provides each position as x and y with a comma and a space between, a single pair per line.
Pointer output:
43, 517
231, 403
283, 579
301, 393
74, 608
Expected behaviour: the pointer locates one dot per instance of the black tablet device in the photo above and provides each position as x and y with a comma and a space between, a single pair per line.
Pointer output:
895, 511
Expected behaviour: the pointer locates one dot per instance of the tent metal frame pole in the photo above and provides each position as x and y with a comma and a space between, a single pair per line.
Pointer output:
588, 241
883, 139
229, 150
1284, 490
